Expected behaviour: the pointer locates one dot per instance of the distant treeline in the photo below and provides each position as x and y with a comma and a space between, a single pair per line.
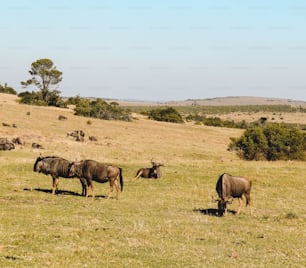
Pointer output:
222, 109
218, 122
179, 114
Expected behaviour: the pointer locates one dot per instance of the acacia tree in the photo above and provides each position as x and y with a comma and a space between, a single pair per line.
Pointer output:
44, 76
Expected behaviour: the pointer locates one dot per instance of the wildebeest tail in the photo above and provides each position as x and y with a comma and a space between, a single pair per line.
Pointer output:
121, 179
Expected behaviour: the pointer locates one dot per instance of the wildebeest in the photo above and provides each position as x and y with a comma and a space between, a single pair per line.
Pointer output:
56, 167
74, 133
92, 170
229, 187
77, 134
37, 146
62, 117
6, 144
18, 140
92, 138
152, 172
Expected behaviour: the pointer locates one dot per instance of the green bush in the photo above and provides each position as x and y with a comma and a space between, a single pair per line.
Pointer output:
6, 89
31, 98
215, 121
101, 109
166, 115
273, 142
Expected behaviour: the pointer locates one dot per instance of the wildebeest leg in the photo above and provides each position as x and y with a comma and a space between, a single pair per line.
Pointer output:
248, 202
139, 174
54, 185
92, 189
84, 187
117, 188
111, 185
240, 205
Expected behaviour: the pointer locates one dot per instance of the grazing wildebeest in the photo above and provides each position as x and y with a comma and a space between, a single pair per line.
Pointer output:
56, 167
229, 187
92, 170
152, 172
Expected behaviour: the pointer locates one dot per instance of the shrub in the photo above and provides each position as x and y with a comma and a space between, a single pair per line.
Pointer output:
166, 115
6, 89
101, 109
273, 142
35, 98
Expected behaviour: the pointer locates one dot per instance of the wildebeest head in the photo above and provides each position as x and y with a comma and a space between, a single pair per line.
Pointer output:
222, 204
156, 170
38, 164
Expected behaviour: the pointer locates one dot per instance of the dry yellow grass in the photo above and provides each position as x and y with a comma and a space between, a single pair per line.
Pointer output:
119, 142
155, 223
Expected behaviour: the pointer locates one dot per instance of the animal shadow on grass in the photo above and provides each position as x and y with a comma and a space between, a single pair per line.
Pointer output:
212, 211
59, 192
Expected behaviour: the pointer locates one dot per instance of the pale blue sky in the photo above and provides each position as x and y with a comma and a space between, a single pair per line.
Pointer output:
159, 50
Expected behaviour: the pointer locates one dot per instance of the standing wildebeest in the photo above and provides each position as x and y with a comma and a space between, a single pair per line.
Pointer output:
229, 187
94, 171
56, 167
152, 172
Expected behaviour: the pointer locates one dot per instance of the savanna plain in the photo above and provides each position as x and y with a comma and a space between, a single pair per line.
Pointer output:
168, 222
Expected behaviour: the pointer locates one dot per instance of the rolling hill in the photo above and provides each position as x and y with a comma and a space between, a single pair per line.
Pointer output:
169, 222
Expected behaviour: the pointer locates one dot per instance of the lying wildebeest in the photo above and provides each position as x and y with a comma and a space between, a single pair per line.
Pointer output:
56, 167
7, 146
92, 138
229, 187
62, 117
37, 146
77, 134
91, 170
74, 133
152, 172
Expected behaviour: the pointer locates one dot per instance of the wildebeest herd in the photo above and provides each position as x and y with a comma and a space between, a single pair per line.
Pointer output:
88, 171
228, 187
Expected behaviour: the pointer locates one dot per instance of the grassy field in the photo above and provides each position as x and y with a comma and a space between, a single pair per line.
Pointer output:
170, 222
